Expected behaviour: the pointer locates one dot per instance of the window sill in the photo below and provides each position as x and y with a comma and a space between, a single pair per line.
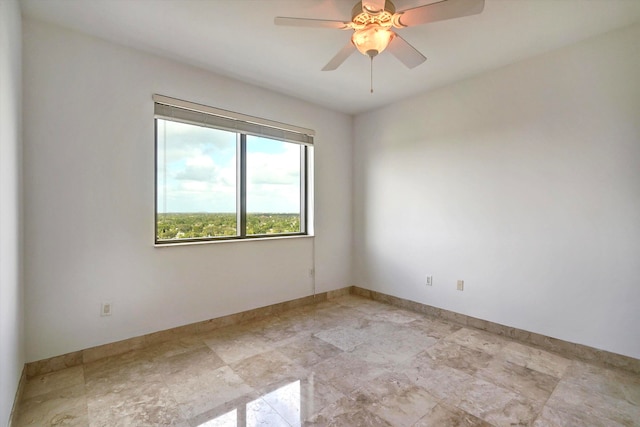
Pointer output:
217, 242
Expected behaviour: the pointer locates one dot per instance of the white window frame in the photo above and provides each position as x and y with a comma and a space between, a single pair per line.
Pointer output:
177, 110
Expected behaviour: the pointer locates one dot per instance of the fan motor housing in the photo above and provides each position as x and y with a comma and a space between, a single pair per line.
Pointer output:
361, 17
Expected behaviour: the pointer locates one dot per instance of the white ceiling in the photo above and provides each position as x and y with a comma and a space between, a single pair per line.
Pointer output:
237, 38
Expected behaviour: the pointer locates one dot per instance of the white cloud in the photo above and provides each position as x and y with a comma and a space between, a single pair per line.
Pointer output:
274, 181
201, 168
269, 168
179, 141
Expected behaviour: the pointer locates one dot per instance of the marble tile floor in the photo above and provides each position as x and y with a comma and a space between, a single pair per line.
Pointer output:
350, 362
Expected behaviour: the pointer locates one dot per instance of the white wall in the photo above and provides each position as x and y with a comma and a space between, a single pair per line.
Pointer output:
89, 199
525, 183
11, 300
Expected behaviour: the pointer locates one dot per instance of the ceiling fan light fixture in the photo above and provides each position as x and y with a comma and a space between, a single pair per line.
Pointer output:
372, 22
372, 39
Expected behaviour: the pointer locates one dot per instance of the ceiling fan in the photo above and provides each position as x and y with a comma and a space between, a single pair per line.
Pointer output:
373, 20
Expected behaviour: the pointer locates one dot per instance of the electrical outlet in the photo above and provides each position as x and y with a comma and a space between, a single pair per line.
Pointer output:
429, 281
105, 309
461, 285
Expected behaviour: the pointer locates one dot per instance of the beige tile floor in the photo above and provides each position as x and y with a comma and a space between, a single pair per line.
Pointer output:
347, 362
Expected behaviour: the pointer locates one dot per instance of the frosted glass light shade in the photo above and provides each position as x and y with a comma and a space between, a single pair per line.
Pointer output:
372, 39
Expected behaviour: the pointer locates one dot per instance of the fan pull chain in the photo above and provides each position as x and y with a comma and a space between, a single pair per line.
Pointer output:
371, 73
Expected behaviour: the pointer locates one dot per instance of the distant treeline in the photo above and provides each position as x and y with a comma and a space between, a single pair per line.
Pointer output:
173, 226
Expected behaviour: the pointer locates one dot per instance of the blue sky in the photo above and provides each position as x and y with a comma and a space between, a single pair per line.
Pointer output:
197, 171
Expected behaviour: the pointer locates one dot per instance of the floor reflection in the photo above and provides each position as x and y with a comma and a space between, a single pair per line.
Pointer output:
230, 419
280, 407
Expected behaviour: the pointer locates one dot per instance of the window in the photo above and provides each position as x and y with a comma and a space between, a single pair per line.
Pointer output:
223, 175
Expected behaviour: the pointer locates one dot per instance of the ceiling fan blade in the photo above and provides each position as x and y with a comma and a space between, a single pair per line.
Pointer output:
340, 57
316, 23
406, 53
445, 9
373, 6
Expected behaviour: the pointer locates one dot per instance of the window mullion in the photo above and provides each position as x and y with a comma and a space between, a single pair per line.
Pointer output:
241, 189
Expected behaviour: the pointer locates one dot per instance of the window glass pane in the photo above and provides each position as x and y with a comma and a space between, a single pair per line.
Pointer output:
273, 186
196, 181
